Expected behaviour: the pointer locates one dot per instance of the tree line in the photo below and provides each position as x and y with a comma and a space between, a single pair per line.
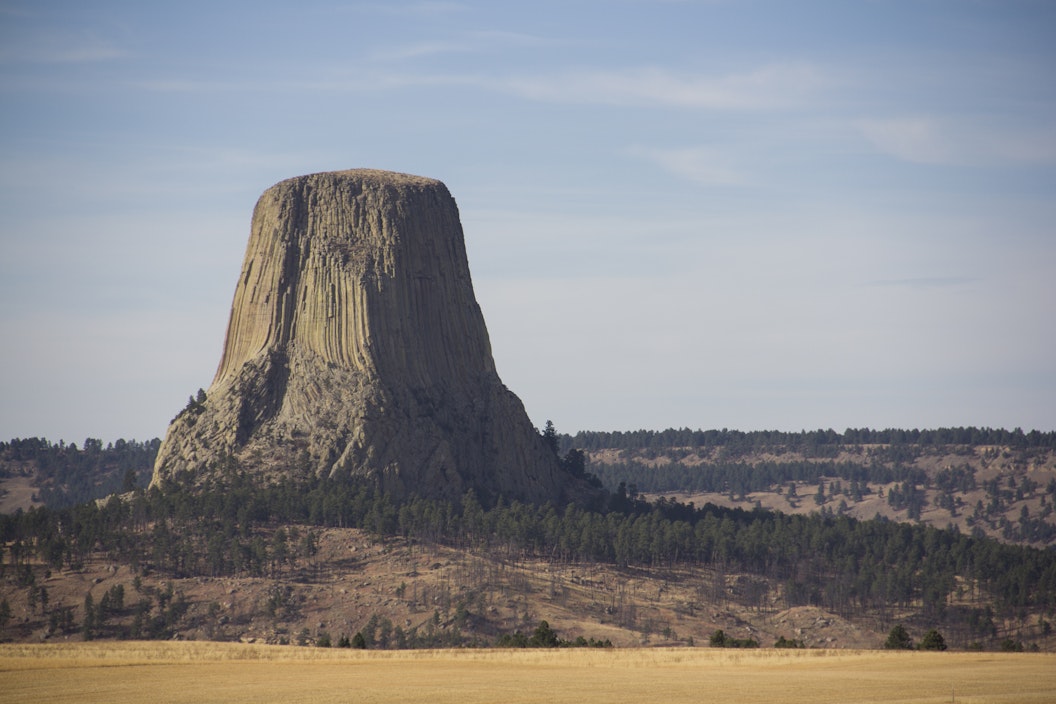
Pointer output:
807, 441
742, 478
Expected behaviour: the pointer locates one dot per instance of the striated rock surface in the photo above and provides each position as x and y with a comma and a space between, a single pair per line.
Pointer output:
356, 348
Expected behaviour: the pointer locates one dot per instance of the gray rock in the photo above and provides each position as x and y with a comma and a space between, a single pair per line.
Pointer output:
356, 348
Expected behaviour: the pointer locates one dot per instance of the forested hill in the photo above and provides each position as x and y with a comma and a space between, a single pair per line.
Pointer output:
34, 471
184, 552
983, 481
233, 559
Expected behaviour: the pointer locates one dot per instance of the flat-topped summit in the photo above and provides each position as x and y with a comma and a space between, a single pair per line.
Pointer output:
356, 347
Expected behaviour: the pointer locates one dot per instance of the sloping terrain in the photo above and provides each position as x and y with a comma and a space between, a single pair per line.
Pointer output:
401, 594
36, 472
998, 491
448, 575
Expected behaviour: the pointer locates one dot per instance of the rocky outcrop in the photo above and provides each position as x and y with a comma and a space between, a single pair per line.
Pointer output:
356, 348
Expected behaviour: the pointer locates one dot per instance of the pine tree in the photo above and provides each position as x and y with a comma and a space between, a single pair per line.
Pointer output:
90, 617
898, 639
933, 640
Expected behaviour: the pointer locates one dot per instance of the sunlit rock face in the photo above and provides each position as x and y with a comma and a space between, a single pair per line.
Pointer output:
356, 348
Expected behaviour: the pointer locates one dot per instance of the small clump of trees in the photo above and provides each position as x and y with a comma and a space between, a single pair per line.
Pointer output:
546, 637
719, 639
898, 639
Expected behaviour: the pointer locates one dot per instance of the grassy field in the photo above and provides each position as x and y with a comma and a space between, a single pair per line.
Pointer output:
218, 672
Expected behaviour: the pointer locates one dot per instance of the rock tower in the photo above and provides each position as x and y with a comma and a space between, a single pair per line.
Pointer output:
356, 348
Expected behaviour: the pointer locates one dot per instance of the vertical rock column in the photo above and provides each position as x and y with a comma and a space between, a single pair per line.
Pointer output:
356, 348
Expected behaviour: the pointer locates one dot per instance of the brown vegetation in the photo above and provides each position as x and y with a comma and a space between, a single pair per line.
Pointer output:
208, 672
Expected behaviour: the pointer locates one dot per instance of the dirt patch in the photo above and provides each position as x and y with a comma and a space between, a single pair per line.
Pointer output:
17, 493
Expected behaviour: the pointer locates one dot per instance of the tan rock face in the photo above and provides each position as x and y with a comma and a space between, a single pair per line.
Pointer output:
356, 347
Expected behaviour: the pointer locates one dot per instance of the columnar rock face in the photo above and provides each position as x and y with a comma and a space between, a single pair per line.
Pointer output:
356, 348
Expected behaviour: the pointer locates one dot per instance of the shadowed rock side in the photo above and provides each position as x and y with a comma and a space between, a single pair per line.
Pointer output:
356, 348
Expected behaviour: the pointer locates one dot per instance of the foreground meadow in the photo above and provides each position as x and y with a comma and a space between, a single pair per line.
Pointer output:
225, 672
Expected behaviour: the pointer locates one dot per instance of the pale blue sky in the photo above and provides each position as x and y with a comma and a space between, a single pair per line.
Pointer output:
754, 215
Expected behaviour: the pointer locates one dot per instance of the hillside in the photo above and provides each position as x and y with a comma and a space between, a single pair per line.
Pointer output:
1004, 491
397, 593
37, 472
321, 560
402, 594
307, 560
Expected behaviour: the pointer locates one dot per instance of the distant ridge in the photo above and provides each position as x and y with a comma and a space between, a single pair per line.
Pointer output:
684, 437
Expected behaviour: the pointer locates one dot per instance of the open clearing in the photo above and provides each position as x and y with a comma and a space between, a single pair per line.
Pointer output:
223, 672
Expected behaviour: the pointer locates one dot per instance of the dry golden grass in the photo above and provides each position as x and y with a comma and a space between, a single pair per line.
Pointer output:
218, 672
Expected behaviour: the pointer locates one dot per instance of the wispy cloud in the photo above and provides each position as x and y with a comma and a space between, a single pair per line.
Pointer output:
768, 87
765, 87
465, 43
706, 166
505, 38
425, 10
359, 80
940, 140
420, 50
432, 8
916, 139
